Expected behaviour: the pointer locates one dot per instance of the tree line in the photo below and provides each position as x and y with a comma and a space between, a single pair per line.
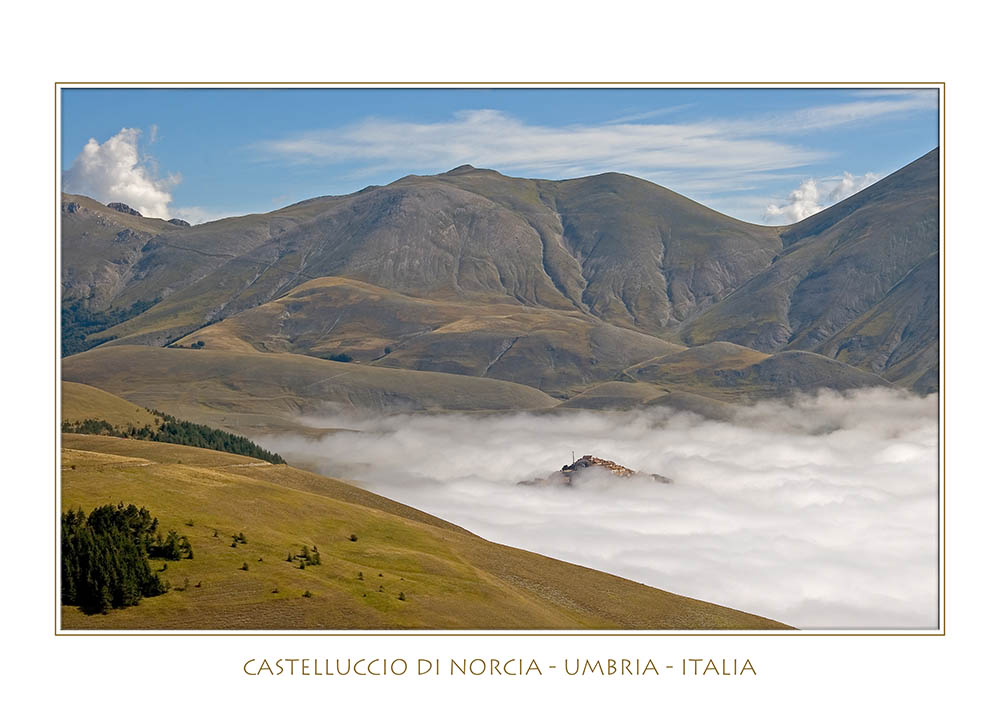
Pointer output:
79, 322
176, 431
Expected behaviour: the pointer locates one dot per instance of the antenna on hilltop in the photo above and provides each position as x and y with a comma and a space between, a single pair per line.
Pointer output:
574, 456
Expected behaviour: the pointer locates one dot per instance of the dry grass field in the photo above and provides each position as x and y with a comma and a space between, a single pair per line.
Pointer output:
449, 578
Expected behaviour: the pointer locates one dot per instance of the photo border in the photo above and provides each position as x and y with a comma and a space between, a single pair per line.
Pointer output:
942, 544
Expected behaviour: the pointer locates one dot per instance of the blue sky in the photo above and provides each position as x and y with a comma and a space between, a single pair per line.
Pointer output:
769, 156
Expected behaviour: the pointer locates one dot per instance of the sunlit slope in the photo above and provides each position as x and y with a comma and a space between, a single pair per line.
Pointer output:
611, 246
559, 286
218, 387
628, 250
549, 349
838, 265
447, 577
80, 402
730, 372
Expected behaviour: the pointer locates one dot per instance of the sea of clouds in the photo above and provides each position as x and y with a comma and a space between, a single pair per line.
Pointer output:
821, 512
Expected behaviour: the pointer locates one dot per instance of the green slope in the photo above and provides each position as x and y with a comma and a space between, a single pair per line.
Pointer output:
450, 579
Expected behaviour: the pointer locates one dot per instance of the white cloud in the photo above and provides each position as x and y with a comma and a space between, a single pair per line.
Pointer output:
813, 196
114, 172
490, 138
821, 512
723, 149
200, 215
824, 117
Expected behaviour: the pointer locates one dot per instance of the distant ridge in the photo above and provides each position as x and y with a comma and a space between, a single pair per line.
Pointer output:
563, 286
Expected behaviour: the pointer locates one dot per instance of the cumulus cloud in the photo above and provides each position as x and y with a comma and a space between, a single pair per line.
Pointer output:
821, 512
114, 171
813, 196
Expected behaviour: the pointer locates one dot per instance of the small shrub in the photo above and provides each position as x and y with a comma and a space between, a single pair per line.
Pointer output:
198, 585
245, 567
233, 544
302, 565
189, 522
215, 534
401, 596
274, 590
361, 576
187, 584
352, 538
341, 357
380, 589
289, 559
307, 594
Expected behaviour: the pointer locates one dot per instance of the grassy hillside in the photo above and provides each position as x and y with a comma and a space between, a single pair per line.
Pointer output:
241, 391
81, 402
448, 577
552, 350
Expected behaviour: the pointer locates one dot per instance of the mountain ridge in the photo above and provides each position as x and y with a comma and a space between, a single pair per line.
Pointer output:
474, 272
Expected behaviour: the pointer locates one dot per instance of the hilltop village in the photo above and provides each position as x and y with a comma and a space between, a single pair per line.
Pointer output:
570, 472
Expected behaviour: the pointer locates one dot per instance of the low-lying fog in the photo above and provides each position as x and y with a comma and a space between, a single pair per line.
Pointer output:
822, 513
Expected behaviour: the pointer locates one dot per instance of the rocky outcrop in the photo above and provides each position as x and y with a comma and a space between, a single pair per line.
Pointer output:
588, 461
123, 208
570, 472
179, 222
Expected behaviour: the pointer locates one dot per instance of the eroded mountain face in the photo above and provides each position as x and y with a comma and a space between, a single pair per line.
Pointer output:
578, 288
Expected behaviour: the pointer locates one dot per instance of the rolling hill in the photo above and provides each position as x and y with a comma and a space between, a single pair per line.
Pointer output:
252, 392
448, 578
551, 350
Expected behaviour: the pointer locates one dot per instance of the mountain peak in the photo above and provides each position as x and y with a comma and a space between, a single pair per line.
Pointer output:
462, 169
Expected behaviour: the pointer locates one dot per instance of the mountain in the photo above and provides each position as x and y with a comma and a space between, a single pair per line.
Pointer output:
573, 288
383, 565
840, 264
611, 246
